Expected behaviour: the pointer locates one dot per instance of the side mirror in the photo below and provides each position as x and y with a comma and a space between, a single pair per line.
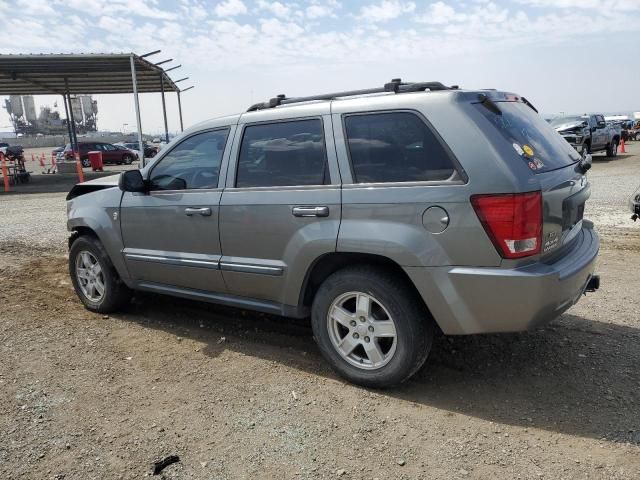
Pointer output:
132, 181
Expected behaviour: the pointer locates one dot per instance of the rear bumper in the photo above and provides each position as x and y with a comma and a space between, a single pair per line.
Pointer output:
466, 300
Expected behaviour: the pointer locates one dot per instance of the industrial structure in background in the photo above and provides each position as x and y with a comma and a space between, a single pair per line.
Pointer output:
22, 113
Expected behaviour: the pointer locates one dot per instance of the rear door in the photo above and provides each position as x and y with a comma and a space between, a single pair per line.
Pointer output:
599, 136
281, 208
170, 235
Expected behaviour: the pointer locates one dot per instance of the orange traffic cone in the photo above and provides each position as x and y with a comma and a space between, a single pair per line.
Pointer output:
622, 149
5, 173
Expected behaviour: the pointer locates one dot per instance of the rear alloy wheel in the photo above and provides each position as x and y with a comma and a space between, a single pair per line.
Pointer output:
127, 159
612, 149
86, 163
371, 327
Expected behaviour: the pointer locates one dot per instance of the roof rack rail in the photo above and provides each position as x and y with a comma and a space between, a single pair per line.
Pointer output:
396, 85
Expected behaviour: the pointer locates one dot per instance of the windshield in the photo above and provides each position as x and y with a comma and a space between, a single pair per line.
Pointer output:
533, 139
564, 120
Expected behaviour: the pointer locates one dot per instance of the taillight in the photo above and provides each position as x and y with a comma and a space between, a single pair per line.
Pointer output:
513, 221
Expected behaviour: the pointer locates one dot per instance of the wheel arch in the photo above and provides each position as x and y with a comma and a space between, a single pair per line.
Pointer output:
329, 263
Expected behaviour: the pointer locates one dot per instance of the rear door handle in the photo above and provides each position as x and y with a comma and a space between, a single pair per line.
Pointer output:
205, 211
310, 211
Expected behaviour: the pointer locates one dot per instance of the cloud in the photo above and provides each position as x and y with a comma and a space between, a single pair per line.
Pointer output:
439, 13
606, 6
230, 8
34, 7
324, 9
276, 8
277, 28
386, 10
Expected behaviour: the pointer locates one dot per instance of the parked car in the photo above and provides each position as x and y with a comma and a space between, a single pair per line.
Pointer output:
110, 153
3, 147
56, 151
149, 150
589, 134
370, 214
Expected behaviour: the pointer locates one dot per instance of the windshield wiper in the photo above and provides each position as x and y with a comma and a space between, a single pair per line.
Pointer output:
489, 104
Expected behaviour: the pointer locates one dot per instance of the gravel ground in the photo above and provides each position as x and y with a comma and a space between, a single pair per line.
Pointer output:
242, 395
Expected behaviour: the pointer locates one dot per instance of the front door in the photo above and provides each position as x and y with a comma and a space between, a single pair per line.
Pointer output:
171, 234
281, 208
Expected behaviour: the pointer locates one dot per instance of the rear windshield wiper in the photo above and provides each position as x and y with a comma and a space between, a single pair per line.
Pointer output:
489, 104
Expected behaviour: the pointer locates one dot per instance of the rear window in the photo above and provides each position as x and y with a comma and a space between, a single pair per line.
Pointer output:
532, 138
283, 154
395, 147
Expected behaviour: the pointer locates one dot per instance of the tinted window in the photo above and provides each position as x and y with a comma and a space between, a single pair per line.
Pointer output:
533, 139
283, 154
395, 147
193, 163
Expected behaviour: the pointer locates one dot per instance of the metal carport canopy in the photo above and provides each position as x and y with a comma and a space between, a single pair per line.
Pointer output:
91, 73
88, 73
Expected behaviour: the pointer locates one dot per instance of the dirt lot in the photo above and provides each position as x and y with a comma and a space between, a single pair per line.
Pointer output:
243, 395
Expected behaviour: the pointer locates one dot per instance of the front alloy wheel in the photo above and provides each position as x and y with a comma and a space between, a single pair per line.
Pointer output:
94, 277
90, 276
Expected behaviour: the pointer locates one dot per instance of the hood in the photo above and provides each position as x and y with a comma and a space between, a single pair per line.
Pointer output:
569, 126
93, 185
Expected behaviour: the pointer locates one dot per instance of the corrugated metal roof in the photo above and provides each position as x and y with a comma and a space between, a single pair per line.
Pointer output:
90, 73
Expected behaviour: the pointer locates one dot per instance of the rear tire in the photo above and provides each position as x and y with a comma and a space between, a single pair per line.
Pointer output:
371, 326
612, 149
94, 277
127, 159
86, 163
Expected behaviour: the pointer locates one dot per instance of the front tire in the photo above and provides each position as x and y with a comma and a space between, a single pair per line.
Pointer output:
86, 163
127, 159
371, 326
612, 149
94, 277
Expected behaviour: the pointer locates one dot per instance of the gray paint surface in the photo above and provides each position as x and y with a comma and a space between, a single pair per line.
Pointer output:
253, 252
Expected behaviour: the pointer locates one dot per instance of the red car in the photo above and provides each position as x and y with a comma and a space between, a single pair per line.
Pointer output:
110, 153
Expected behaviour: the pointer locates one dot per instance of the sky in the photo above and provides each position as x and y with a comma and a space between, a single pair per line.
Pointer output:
572, 56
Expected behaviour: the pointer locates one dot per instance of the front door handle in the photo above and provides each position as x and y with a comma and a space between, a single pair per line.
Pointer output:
310, 211
205, 211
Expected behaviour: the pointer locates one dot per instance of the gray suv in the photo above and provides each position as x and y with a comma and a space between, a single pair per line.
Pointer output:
364, 210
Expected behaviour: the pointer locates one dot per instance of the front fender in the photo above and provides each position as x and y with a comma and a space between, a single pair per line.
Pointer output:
100, 212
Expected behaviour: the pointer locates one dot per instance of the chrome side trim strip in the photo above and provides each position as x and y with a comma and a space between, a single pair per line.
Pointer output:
245, 268
185, 262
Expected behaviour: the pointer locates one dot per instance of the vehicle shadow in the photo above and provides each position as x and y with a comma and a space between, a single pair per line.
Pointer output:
587, 370
605, 159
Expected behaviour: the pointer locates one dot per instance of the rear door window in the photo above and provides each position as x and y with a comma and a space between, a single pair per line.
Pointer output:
283, 154
532, 138
395, 147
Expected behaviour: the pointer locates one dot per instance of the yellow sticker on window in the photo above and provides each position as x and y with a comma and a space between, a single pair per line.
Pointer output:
528, 150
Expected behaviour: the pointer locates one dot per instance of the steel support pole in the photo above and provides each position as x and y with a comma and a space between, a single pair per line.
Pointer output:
137, 102
164, 109
74, 141
180, 111
66, 111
